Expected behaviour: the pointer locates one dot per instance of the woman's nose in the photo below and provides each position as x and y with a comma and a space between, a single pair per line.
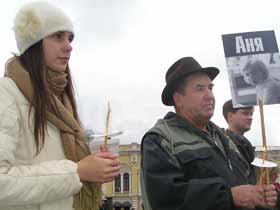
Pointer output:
67, 46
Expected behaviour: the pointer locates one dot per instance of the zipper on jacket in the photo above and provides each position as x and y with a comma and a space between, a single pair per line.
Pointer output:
229, 164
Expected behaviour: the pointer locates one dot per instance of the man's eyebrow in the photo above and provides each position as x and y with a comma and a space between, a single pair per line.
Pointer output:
201, 85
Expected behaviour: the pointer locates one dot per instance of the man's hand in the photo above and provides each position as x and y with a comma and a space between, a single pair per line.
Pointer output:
248, 196
270, 195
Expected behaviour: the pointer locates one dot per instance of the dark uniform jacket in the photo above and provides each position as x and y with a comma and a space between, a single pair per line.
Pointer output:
247, 150
184, 168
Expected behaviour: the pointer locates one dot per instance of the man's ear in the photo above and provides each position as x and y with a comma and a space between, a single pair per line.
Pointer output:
177, 98
229, 116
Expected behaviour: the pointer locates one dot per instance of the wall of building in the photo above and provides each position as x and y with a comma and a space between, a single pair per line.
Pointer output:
273, 155
121, 194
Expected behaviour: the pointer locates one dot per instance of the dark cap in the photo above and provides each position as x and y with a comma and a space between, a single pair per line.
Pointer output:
228, 107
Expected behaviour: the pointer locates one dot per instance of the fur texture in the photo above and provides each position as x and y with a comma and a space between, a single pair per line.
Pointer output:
36, 21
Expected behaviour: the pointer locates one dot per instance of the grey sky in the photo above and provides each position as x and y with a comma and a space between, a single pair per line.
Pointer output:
123, 48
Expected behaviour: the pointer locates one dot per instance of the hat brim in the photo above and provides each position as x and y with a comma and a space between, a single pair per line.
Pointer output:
167, 93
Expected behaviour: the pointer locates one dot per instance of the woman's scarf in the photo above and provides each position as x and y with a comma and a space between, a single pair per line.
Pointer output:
60, 114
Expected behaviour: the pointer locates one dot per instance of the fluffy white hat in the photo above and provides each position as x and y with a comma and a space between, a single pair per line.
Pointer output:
37, 20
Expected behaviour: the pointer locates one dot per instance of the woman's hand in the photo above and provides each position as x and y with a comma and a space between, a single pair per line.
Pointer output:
99, 167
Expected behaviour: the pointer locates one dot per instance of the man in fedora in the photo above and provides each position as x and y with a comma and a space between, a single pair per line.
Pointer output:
186, 159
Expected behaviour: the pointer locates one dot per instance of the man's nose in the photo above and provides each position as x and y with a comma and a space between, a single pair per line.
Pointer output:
209, 93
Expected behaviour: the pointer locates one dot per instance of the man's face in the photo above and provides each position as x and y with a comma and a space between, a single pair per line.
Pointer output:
197, 101
241, 120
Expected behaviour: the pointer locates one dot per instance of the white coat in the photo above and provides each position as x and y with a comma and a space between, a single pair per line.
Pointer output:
46, 181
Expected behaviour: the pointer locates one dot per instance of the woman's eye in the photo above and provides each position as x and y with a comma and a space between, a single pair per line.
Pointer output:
58, 36
71, 38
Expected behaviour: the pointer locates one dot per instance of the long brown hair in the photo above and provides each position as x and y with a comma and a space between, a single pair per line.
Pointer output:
33, 61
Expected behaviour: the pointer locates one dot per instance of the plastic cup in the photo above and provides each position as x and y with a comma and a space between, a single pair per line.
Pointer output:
112, 145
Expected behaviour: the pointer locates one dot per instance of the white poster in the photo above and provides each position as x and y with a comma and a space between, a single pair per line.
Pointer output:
253, 64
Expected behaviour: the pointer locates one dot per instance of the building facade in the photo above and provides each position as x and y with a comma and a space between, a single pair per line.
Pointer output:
273, 155
124, 193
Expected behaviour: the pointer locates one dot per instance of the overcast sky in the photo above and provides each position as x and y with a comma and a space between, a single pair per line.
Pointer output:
123, 48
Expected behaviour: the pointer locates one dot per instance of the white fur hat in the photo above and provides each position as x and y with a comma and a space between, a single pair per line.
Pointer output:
37, 20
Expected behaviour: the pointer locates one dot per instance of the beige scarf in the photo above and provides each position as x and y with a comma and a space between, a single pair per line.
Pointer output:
60, 114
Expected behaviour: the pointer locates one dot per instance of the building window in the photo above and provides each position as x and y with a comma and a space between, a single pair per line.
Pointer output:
134, 146
139, 185
118, 183
126, 182
133, 158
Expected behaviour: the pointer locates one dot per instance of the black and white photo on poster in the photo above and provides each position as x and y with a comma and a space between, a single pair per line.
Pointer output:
253, 65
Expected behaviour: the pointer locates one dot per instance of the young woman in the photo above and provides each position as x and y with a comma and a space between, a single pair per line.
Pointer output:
44, 160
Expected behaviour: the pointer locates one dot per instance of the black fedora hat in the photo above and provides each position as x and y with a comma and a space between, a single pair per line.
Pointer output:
179, 70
